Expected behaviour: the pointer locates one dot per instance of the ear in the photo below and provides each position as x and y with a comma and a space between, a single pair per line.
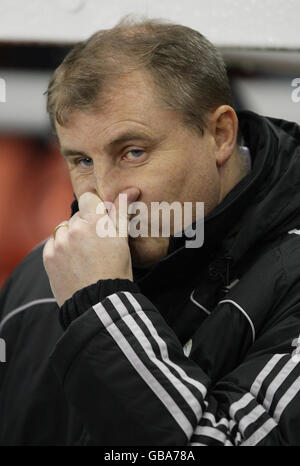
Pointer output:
224, 127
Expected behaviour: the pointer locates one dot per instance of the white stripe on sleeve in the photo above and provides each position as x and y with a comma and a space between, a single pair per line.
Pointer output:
163, 347
142, 370
287, 398
189, 397
277, 382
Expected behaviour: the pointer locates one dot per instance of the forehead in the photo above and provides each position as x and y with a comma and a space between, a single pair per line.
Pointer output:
130, 99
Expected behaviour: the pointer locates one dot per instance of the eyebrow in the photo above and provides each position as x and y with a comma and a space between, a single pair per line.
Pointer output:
124, 137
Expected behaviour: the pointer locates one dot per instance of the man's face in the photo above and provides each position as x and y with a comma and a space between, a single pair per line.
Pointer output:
133, 141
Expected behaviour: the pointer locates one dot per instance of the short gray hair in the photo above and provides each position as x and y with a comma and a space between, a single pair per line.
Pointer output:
188, 72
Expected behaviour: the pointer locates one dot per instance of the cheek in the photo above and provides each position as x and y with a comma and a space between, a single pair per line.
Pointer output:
172, 183
164, 181
194, 180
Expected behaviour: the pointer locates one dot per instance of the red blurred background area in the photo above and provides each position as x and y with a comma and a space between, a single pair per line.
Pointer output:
35, 189
35, 195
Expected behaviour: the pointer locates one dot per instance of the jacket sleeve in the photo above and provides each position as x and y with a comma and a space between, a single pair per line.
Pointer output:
125, 372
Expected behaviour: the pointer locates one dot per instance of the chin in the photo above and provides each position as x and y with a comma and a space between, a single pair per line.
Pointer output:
147, 251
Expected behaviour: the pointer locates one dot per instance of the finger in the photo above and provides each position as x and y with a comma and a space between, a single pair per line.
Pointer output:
74, 219
87, 204
48, 250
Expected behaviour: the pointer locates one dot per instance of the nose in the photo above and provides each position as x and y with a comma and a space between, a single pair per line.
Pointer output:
110, 182
106, 184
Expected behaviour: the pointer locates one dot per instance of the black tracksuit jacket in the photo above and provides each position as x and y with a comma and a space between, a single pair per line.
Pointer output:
202, 349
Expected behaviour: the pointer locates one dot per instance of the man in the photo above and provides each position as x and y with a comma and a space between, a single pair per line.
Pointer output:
144, 341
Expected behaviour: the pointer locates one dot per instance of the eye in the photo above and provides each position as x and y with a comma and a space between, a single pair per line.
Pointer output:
134, 154
84, 162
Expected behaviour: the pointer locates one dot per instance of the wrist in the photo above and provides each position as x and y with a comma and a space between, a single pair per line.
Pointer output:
90, 295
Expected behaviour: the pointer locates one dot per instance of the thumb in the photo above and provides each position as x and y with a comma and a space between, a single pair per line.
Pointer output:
87, 204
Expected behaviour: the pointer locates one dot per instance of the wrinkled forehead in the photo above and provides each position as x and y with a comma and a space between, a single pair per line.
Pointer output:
128, 96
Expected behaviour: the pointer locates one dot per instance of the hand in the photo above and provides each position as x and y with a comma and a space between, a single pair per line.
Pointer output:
78, 257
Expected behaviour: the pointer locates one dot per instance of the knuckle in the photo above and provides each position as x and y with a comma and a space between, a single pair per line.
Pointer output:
59, 244
48, 258
74, 218
75, 230
46, 251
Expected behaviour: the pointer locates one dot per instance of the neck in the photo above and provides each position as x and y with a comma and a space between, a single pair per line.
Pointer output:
233, 171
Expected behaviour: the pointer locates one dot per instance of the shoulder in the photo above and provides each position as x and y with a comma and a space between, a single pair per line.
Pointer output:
289, 250
29, 271
27, 285
268, 289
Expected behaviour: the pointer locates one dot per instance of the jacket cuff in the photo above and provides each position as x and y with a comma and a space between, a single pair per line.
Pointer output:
87, 297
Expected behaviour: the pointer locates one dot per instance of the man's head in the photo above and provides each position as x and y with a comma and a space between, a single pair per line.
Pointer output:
147, 105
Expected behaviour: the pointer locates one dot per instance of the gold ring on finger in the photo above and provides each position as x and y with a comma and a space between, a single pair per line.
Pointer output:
59, 226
